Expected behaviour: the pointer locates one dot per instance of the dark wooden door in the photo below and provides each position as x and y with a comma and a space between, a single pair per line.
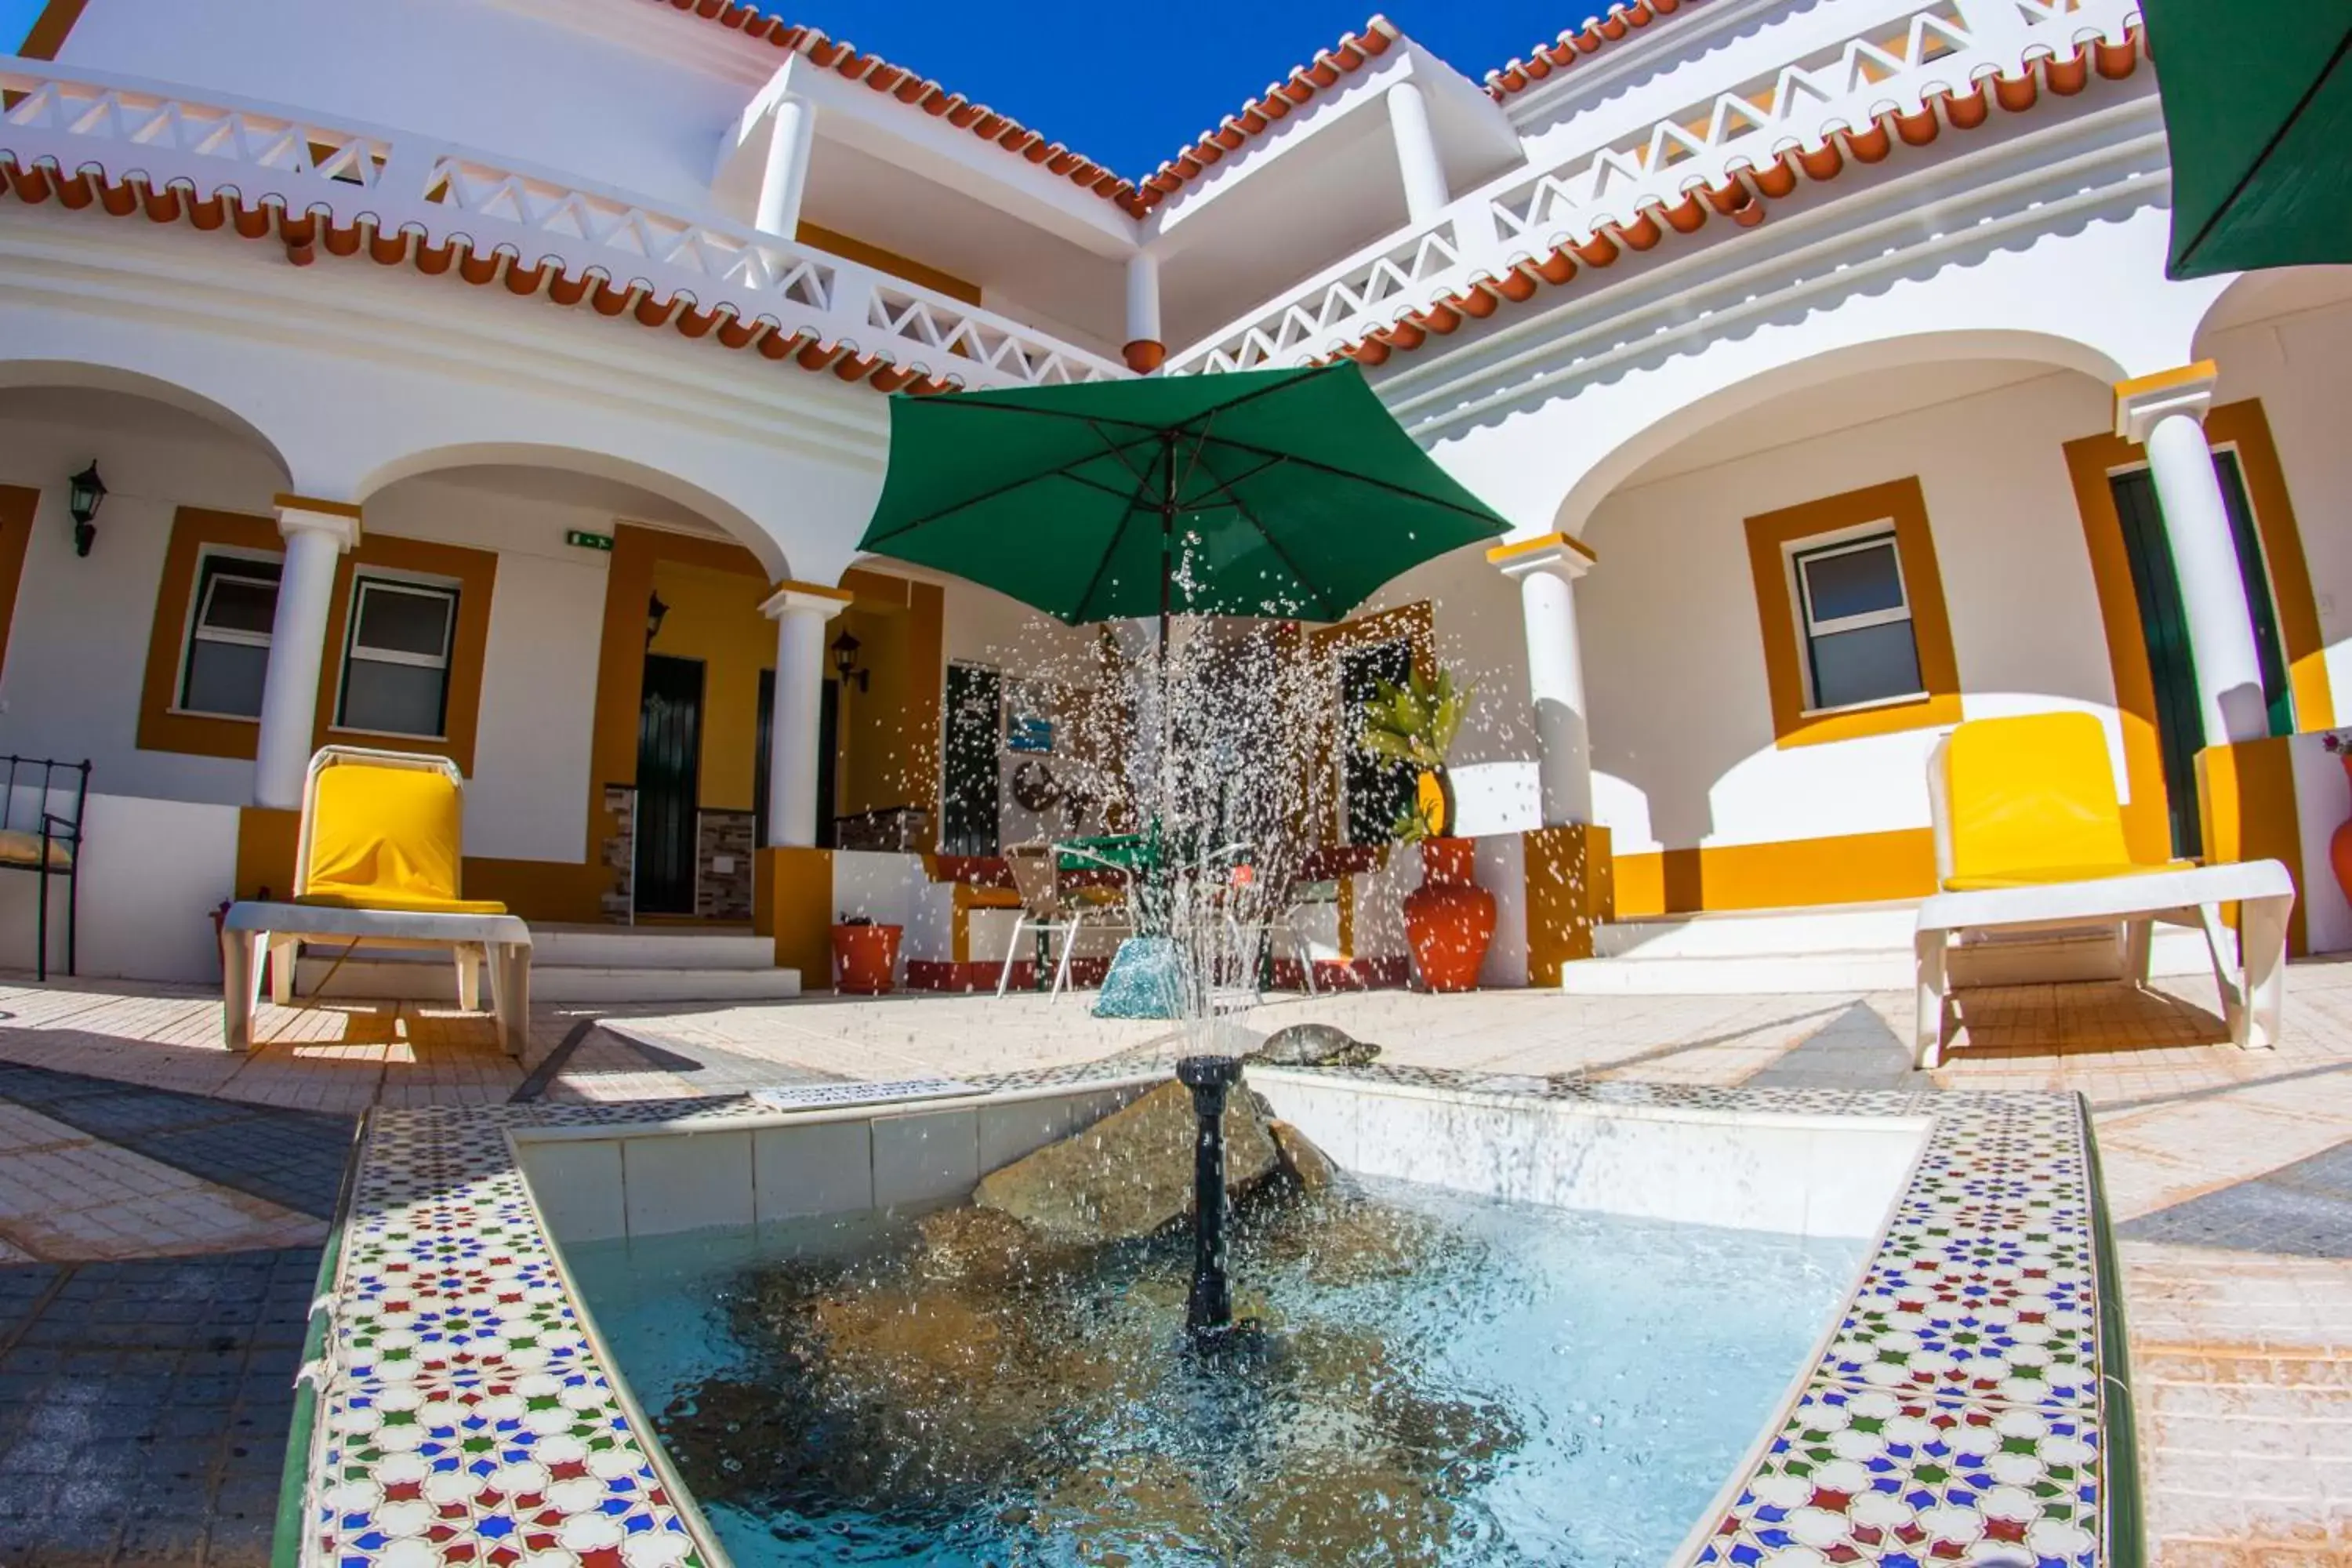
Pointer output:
669, 784
975, 720
1380, 789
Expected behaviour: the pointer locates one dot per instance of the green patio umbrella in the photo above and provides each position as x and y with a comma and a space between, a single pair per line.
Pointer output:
2258, 108
1280, 493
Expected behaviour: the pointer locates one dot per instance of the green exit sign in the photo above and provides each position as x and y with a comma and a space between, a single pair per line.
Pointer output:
587, 540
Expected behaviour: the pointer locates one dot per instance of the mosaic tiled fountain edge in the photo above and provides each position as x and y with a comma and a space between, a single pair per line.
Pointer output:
1967, 1406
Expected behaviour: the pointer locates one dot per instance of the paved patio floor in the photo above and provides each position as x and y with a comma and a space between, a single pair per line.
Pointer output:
158, 1195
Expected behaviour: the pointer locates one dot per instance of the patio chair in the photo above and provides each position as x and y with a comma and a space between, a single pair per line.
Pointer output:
2029, 836
1046, 912
49, 846
378, 861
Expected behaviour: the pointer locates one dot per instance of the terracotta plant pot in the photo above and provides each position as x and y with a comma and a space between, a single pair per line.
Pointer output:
865, 958
2340, 847
1449, 918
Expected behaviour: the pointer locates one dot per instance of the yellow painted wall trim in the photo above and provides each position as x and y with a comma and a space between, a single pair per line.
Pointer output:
284, 501
1571, 887
1854, 868
2245, 799
1769, 534
2166, 380
851, 248
193, 528
792, 903
2245, 427
475, 574
19, 508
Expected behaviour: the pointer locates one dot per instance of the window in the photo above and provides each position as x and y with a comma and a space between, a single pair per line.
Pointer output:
396, 664
1859, 643
227, 659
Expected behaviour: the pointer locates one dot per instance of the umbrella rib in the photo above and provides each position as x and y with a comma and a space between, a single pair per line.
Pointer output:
1314, 594
1321, 467
2269, 147
1005, 490
1134, 505
1227, 485
1316, 373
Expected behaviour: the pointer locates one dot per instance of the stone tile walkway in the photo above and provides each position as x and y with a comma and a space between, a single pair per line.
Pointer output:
2227, 1169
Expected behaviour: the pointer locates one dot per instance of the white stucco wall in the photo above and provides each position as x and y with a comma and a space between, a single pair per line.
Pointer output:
152, 872
483, 76
1681, 717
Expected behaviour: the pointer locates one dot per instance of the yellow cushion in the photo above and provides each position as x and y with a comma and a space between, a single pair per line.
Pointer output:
18, 848
2032, 801
2046, 874
387, 838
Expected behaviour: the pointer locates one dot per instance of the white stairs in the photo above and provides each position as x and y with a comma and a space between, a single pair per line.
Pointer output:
571, 964
1839, 947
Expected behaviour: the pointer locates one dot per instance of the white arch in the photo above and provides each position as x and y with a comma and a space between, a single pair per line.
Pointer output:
94, 375
694, 498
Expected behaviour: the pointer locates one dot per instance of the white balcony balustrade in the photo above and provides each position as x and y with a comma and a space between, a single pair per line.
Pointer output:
127, 145
1905, 76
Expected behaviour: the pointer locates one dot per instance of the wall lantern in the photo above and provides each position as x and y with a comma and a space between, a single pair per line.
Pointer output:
84, 493
845, 661
655, 611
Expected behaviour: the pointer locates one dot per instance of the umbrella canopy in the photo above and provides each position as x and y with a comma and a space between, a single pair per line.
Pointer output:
2258, 107
1283, 493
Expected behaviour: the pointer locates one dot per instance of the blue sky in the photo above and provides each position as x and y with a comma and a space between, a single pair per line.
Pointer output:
1126, 84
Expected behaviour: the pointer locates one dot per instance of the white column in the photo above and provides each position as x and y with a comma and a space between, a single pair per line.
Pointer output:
316, 533
800, 611
2166, 413
1416, 145
791, 130
1145, 347
1546, 569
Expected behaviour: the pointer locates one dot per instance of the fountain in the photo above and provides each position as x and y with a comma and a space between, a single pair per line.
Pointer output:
1209, 1309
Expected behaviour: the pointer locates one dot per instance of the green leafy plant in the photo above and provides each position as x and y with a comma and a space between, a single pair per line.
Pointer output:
1415, 724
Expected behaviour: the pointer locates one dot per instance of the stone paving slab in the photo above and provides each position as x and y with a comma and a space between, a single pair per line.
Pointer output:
144, 1408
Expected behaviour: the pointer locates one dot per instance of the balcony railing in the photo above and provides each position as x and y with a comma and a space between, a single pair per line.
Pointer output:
218, 160
1684, 167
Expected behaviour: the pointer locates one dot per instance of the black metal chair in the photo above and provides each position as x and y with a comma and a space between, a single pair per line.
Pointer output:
50, 846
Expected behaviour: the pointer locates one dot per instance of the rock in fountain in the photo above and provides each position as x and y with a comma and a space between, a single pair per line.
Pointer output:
1129, 1173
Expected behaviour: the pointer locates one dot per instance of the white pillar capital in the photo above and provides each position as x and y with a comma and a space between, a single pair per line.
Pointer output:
1561, 555
339, 520
2147, 401
792, 599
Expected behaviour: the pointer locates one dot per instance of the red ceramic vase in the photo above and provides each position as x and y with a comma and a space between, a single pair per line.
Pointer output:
1449, 918
865, 958
2340, 847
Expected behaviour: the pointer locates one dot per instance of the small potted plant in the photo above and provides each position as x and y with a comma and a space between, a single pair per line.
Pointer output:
865, 955
1449, 918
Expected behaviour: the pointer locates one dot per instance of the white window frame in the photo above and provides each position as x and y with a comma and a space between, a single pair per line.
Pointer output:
1849, 542
363, 582
199, 595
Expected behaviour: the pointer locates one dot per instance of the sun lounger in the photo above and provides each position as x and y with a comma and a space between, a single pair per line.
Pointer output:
2028, 836
378, 863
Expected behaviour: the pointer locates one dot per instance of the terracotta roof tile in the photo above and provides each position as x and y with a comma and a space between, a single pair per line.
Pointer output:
1742, 196
921, 92
1623, 19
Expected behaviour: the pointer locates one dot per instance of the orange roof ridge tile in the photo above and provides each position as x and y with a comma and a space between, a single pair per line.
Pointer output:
1623, 19
920, 92
1327, 69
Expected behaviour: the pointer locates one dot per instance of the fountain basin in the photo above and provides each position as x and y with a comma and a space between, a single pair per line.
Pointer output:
1952, 1398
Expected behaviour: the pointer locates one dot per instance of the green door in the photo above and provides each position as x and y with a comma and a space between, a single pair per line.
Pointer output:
828, 754
669, 784
2163, 622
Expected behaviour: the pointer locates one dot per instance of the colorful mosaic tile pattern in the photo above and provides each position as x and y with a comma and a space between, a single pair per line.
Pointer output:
1955, 1415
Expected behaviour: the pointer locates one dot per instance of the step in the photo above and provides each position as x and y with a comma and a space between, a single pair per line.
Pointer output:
1658, 969
649, 947
1751, 933
424, 976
